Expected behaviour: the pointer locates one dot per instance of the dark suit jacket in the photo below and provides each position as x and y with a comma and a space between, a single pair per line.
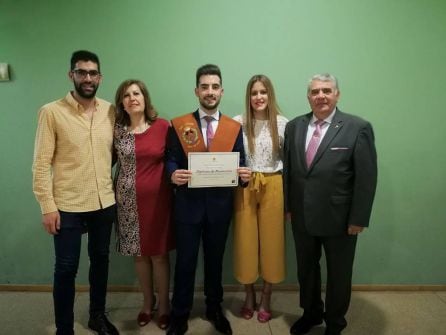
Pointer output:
192, 205
339, 187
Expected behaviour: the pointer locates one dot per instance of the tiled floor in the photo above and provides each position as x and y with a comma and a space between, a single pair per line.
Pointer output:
371, 313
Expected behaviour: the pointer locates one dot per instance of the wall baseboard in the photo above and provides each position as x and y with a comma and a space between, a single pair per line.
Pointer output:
232, 288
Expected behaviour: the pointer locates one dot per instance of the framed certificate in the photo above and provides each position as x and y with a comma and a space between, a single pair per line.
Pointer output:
213, 169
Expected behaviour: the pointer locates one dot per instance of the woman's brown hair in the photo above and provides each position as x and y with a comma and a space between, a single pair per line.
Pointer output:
122, 117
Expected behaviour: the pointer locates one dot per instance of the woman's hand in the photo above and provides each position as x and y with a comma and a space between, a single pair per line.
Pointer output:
244, 173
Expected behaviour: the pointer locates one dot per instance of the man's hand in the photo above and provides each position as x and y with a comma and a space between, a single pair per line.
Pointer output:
51, 222
354, 230
180, 177
244, 173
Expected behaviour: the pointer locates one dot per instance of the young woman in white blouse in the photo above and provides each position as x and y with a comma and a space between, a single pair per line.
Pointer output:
259, 237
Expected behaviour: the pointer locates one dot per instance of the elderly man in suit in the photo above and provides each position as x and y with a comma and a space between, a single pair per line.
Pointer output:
202, 213
330, 175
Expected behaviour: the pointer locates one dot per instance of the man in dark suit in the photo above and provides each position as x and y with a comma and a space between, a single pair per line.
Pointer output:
330, 174
201, 213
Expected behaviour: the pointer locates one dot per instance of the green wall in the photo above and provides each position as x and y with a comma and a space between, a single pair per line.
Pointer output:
388, 55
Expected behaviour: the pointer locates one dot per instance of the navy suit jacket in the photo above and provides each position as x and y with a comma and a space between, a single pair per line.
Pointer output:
193, 205
339, 187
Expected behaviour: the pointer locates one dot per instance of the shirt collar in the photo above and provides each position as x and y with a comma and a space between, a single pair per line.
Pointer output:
76, 105
327, 120
202, 114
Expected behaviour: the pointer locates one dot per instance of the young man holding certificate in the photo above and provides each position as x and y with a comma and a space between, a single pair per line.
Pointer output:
202, 212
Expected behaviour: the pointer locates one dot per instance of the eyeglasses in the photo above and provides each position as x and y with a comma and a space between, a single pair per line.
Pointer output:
94, 74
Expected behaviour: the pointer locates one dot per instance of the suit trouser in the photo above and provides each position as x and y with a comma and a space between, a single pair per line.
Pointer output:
339, 254
188, 237
67, 246
259, 236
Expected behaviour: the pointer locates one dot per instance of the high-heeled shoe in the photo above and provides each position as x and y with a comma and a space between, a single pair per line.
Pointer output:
246, 313
143, 318
263, 314
163, 321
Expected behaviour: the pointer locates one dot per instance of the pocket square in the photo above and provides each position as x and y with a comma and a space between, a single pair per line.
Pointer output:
339, 148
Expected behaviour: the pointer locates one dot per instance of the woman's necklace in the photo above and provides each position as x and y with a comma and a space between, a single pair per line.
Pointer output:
139, 129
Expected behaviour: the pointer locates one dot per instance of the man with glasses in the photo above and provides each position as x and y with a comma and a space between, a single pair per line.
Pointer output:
72, 183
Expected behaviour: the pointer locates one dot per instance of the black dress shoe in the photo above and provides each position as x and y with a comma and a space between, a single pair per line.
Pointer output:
177, 326
304, 325
100, 324
220, 322
329, 331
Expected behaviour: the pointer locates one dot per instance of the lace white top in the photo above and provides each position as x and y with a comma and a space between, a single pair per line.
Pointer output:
262, 160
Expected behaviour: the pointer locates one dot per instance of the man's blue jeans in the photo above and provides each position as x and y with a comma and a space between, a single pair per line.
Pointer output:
67, 246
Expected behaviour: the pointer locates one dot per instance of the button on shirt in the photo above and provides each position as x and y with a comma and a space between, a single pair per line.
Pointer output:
73, 156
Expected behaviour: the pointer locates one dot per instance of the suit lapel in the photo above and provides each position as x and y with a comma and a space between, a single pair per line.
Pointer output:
197, 118
301, 136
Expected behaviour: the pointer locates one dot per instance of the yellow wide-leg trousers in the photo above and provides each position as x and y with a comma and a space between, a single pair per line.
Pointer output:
259, 236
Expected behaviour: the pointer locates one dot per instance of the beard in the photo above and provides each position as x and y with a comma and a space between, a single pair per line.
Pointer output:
86, 90
209, 106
